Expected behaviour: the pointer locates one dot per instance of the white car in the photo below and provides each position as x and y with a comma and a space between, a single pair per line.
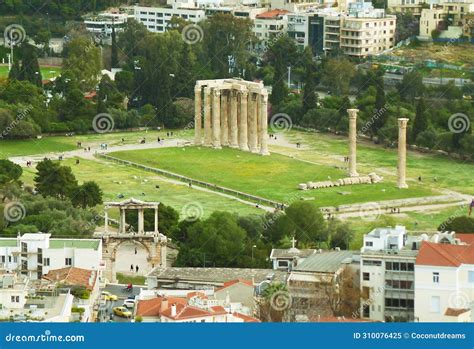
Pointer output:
129, 303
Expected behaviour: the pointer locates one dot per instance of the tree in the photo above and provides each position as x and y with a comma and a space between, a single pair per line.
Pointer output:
337, 74
309, 93
9, 172
420, 123
462, 224
86, 195
279, 88
114, 55
54, 180
30, 69
411, 86
380, 105
341, 234
275, 303
304, 221
343, 297
83, 62
14, 73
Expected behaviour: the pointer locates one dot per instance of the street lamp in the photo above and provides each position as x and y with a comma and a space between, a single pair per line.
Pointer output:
254, 246
289, 76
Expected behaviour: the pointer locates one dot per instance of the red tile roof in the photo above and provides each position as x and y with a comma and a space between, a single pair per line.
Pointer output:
455, 312
272, 14
151, 307
233, 282
466, 238
73, 276
445, 254
246, 318
201, 295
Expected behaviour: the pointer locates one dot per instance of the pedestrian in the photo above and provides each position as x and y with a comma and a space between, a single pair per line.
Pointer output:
77, 161
136, 250
167, 134
159, 139
470, 207
136, 268
89, 149
419, 178
131, 267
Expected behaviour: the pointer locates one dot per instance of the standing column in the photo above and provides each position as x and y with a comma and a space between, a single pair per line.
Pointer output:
353, 142
207, 117
197, 115
234, 127
123, 224
225, 118
402, 152
141, 221
106, 220
263, 129
253, 122
156, 220
216, 118
243, 140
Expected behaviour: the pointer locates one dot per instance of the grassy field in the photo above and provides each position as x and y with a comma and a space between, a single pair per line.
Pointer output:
274, 177
46, 72
436, 171
116, 179
56, 144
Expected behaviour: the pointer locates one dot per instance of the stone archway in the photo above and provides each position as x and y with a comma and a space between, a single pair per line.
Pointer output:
131, 253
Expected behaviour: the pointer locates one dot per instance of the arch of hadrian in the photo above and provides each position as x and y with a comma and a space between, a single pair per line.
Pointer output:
231, 112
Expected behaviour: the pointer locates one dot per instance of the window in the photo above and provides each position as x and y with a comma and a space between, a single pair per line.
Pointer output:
435, 304
46, 262
470, 276
283, 264
369, 243
2, 259
68, 261
436, 278
371, 262
366, 276
15, 299
366, 311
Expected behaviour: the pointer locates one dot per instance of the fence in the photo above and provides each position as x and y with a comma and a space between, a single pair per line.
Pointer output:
214, 187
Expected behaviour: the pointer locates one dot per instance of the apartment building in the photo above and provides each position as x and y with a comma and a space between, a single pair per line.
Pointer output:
450, 18
270, 24
102, 23
157, 19
34, 255
444, 289
387, 275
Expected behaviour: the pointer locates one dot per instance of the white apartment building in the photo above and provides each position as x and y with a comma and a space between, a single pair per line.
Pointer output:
387, 268
102, 23
444, 289
13, 291
270, 24
157, 19
34, 255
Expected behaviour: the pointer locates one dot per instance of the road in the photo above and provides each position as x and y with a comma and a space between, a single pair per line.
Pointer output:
107, 313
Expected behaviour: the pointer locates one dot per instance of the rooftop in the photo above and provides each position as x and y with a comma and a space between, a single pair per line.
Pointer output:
326, 262
272, 14
234, 282
291, 253
151, 307
73, 276
217, 276
445, 254
74, 243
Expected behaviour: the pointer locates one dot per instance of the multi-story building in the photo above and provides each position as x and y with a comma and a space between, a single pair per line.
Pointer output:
102, 24
307, 29
449, 18
270, 24
34, 255
444, 288
387, 274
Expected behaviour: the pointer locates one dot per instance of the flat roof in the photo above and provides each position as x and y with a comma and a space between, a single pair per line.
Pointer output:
5, 242
326, 262
74, 243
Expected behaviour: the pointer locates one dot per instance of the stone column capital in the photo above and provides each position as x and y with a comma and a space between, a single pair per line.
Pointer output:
197, 89
352, 113
403, 122
216, 92
243, 94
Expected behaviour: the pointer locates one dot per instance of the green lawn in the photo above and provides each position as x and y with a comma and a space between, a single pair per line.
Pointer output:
46, 72
57, 144
116, 179
274, 177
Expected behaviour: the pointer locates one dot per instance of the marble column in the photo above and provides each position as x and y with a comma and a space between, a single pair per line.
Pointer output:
156, 220
141, 221
353, 142
123, 223
263, 129
402, 152
225, 118
234, 127
197, 115
207, 117
216, 118
253, 123
243, 137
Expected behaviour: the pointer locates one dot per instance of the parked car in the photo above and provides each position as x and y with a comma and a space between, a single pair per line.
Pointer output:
129, 303
122, 311
108, 296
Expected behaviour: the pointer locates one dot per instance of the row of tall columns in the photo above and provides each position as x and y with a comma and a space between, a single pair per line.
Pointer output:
123, 224
402, 148
234, 118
